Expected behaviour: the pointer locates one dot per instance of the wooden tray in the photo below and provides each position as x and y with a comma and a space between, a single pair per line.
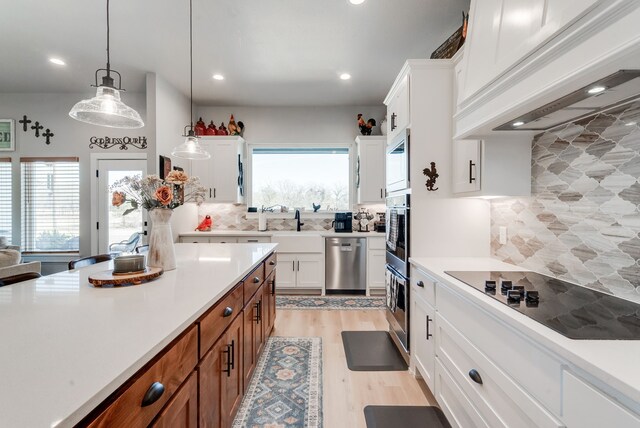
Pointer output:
107, 277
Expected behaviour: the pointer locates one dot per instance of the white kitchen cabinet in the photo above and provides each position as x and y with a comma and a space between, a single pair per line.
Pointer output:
398, 108
456, 406
496, 166
376, 261
223, 240
303, 271
223, 174
578, 395
370, 172
423, 339
253, 239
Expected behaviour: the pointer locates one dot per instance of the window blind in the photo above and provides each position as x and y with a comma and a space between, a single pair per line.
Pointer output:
5, 198
50, 204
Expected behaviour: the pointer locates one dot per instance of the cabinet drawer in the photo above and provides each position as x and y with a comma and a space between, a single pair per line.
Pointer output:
499, 399
223, 239
182, 410
253, 239
500, 343
270, 264
423, 285
455, 405
170, 370
585, 406
376, 244
214, 322
253, 281
195, 239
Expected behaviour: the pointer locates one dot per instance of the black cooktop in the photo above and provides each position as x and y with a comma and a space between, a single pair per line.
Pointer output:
573, 311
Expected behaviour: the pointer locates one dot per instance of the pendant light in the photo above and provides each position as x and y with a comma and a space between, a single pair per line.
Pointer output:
190, 149
106, 109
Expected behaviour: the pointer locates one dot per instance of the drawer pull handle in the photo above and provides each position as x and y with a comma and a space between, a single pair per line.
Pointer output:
272, 263
228, 362
475, 376
233, 355
273, 287
256, 279
428, 333
420, 284
227, 312
153, 394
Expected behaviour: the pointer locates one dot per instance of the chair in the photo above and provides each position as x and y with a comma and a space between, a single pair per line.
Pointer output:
125, 246
91, 260
19, 278
142, 249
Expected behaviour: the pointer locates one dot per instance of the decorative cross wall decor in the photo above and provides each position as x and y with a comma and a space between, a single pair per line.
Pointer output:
25, 122
37, 127
47, 135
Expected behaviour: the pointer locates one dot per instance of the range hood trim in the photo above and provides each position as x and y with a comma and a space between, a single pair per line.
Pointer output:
565, 103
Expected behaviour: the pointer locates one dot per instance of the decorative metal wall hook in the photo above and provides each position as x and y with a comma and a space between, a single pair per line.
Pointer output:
432, 176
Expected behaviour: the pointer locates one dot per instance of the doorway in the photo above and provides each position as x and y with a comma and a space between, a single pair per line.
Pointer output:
113, 225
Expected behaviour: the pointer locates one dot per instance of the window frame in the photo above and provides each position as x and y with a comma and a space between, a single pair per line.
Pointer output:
10, 236
323, 145
25, 160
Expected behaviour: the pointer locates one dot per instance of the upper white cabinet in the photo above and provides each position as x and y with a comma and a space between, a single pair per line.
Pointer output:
370, 169
223, 174
500, 166
398, 108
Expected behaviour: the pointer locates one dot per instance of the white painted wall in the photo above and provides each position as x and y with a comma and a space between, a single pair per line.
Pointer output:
302, 125
71, 139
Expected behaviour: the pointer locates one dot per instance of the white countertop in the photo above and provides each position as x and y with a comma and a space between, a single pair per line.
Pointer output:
271, 233
615, 363
65, 345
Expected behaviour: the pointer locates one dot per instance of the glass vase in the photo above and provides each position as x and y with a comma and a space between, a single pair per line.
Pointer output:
162, 253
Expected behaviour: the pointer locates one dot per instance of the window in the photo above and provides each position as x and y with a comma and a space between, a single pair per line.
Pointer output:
50, 204
5, 198
300, 178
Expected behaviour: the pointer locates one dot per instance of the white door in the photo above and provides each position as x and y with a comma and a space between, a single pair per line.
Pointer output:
225, 171
376, 267
286, 271
203, 170
466, 169
113, 226
422, 339
310, 269
372, 182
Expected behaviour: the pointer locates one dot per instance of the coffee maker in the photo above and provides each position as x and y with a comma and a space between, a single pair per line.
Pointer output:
343, 222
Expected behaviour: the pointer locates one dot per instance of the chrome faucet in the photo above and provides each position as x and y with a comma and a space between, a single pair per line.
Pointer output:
297, 218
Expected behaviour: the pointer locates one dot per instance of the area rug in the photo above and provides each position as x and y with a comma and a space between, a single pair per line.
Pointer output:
286, 389
334, 303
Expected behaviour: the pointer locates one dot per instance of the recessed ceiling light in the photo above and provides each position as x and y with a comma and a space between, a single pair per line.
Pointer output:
596, 89
57, 61
518, 123
218, 77
345, 76
356, 1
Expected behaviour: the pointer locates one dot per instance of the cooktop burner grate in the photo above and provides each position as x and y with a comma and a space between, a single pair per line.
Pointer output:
569, 309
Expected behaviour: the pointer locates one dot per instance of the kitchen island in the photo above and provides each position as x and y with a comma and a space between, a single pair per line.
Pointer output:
67, 346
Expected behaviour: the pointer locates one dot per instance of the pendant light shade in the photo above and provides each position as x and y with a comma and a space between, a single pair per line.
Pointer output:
106, 108
190, 149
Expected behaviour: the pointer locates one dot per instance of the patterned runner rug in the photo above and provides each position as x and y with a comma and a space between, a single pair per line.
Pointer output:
330, 302
286, 389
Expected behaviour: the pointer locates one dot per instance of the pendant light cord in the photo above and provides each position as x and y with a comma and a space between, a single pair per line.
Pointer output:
190, 59
108, 55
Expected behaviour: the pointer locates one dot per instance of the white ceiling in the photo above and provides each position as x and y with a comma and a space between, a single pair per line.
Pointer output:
271, 52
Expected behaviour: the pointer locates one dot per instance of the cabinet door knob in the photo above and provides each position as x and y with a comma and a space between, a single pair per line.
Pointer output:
272, 263
227, 312
153, 394
475, 376
420, 284
256, 279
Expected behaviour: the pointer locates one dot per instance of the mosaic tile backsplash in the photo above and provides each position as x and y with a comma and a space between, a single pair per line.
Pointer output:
234, 217
582, 222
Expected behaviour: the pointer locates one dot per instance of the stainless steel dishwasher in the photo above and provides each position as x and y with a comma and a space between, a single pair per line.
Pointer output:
345, 265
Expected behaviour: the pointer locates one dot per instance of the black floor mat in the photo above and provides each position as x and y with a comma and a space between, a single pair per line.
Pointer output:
405, 417
371, 351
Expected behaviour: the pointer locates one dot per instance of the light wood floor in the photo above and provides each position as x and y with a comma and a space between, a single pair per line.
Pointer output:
346, 393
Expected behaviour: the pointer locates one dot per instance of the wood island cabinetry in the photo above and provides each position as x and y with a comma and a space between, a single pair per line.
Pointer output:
199, 379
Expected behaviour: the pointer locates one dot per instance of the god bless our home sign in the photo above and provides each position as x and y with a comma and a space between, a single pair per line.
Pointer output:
7, 135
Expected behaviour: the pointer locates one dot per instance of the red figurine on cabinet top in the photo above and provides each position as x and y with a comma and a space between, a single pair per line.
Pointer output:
222, 130
200, 127
211, 129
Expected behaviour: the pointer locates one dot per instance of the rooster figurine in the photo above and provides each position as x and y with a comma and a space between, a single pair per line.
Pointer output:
205, 225
365, 127
232, 127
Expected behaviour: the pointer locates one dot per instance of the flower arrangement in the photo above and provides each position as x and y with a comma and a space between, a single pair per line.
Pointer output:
153, 192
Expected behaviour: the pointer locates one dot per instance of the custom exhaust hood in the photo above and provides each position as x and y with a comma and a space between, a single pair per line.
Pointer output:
612, 91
